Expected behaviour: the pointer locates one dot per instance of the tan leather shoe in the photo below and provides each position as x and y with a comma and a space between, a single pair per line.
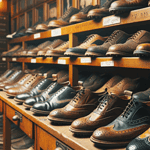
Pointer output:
121, 6
58, 51
25, 87
142, 50
53, 45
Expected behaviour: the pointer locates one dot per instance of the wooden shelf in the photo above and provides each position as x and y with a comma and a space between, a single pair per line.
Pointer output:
135, 16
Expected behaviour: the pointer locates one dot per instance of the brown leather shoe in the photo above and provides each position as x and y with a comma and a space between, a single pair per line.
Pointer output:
25, 87
58, 51
81, 105
53, 45
34, 51
130, 45
121, 6
82, 15
100, 12
149, 3
64, 20
142, 50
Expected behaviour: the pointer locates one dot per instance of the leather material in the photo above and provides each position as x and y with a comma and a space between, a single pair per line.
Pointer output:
109, 108
18, 31
58, 100
81, 105
132, 122
82, 48
116, 37
130, 45
6, 74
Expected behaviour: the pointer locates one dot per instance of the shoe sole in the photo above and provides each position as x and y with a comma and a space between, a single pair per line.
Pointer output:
60, 120
80, 132
39, 111
92, 54
74, 54
11, 95
141, 53
120, 54
28, 106
77, 20
57, 55
18, 100
109, 144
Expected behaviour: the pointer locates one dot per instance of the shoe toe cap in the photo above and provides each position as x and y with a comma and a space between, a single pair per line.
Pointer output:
40, 106
23, 96
30, 101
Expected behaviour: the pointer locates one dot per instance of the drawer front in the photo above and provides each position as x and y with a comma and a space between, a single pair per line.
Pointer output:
24, 123
1, 106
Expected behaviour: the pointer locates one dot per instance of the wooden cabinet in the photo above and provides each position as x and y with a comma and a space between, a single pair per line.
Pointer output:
1, 106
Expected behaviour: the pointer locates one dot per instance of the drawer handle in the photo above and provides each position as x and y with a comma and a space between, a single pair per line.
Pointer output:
15, 118
58, 148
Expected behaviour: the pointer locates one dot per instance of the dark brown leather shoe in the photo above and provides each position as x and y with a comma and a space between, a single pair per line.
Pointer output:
101, 12
58, 51
81, 105
142, 50
53, 45
121, 6
130, 45
24, 52
64, 20
82, 15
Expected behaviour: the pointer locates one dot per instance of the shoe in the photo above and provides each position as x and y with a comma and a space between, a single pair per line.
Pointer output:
100, 12
44, 25
51, 89
38, 89
121, 6
81, 105
142, 50
149, 3
130, 45
116, 37
58, 51
142, 142
92, 40
82, 15
18, 31
27, 86
10, 36
34, 51
64, 20
109, 108
132, 122
58, 100
53, 45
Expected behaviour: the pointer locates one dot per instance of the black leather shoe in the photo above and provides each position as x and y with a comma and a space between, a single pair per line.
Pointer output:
58, 100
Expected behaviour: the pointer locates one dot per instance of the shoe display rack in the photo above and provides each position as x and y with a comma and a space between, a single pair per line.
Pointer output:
47, 136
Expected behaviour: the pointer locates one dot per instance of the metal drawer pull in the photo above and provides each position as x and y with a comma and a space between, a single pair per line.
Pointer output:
17, 117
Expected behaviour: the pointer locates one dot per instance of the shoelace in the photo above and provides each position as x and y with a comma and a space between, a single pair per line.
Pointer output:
32, 80
134, 36
66, 13
107, 3
63, 44
49, 88
86, 9
78, 95
88, 39
59, 91
24, 79
112, 36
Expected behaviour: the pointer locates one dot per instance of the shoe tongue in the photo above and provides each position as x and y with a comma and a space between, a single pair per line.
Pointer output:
107, 3
85, 10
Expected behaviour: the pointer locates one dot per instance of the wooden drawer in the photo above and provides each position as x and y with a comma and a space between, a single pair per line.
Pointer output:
1, 106
45, 141
24, 124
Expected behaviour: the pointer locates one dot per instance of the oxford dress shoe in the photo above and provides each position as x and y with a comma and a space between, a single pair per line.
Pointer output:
18, 32
121, 6
81, 105
100, 12
92, 40
116, 37
64, 20
38, 89
82, 15
142, 50
58, 100
58, 51
109, 108
132, 122
47, 50
127, 48
142, 142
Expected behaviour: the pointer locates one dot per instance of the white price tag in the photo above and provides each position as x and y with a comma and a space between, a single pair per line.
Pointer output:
61, 61
56, 32
3, 59
111, 20
107, 64
37, 35
14, 59
33, 60
86, 60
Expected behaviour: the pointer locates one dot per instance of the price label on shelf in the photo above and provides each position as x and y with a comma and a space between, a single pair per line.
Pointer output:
107, 63
86, 60
56, 32
61, 61
37, 35
111, 20
3, 59
33, 60
14, 59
